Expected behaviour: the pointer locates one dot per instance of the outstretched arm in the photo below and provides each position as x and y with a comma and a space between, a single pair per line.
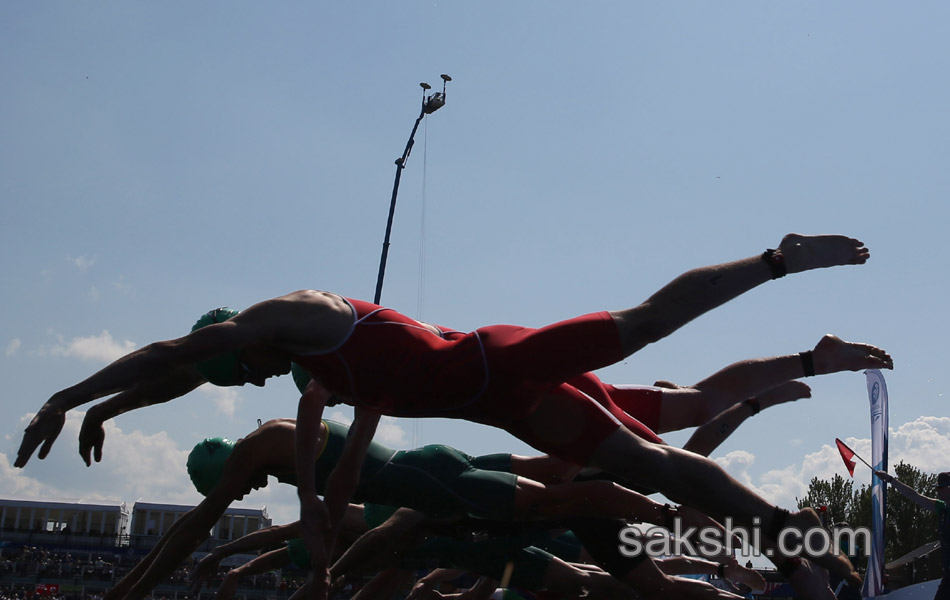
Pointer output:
382, 546
187, 533
651, 582
908, 492
731, 570
262, 538
159, 360
482, 590
181, 539
121, 588
384, 584
268, 561
176, 383
424, 587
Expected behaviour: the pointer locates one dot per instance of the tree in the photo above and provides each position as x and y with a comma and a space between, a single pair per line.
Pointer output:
907, 526
837, 495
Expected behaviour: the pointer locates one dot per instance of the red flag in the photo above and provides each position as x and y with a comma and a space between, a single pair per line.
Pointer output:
847, 455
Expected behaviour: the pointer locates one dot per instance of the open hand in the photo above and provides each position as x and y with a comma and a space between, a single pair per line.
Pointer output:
91, 437
43, 429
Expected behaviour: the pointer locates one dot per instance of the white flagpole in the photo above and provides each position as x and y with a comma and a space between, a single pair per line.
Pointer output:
877, 396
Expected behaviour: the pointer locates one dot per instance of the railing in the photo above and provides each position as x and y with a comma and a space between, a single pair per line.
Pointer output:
93, 540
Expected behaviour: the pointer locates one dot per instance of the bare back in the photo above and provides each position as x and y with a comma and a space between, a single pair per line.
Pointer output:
272, 446
304, 321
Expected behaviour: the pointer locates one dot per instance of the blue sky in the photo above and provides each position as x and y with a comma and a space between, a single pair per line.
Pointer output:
158, 160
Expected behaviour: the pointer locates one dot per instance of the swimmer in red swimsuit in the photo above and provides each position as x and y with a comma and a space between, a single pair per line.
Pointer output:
505, 376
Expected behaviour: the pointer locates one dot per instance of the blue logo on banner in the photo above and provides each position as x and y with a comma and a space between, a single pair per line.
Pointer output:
875, 392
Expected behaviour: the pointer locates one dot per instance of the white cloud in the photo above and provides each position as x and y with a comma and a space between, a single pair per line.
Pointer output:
134, 465
121, 285
225, 399
923, 443
14, 482
390, 433
93, 295
737, 464
339, 417
100, 347
83, 263
13, 346
149, 466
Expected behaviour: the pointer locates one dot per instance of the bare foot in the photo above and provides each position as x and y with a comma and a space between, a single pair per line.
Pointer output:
833, 354
811, 582
806, 252
834, 561
668, 385
782, 393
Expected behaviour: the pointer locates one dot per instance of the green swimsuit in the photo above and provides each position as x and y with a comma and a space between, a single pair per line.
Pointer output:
437, 480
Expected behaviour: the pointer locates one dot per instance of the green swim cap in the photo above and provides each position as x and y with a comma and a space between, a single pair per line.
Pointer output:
301, 376
206, 462
221, 370
299, 553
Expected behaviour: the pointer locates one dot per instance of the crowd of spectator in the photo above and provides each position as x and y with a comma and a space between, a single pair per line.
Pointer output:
31, 561
25, 570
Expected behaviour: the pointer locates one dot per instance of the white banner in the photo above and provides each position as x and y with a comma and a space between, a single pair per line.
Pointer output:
877, 395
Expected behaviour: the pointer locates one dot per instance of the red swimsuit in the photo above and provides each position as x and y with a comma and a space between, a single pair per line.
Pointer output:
495, 375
